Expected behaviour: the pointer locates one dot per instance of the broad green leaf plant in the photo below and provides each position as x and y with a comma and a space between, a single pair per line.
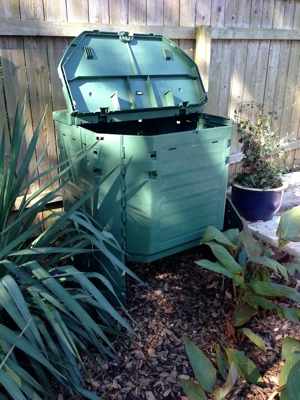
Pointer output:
289, 382
250, 267
230, 362
51, 313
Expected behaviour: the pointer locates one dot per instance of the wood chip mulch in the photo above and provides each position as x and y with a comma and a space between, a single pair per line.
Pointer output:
180, 299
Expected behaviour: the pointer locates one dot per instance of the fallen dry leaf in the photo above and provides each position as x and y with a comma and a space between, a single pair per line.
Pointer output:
150, 396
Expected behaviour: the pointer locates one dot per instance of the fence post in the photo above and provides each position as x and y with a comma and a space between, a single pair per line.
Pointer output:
202, 52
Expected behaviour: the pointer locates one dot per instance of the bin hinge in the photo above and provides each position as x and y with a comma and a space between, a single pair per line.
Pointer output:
125, 37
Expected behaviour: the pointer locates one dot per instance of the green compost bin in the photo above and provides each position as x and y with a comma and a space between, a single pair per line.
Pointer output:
165, 162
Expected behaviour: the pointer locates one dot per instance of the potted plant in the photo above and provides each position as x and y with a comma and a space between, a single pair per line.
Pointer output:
257, 188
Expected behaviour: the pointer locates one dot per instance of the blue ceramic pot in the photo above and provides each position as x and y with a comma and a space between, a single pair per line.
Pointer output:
257, 204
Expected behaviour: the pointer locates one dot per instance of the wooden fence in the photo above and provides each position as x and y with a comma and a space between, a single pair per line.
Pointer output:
245, 50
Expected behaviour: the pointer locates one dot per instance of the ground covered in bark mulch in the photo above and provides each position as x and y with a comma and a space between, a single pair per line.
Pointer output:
178, 300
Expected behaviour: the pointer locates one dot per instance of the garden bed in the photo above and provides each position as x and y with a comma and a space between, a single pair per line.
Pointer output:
180, 300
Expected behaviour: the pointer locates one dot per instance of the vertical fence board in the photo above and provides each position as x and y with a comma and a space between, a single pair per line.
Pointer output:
99, 11
267, 14
10, 9
55, 10
118, 10
203, 12
282, 74
202, 53
265, 21
171, 12
217, 20
294, 83
77, 11
187, 18
137, 13
31, 10
14, 76
40, 98
281, 81
250, 87
155, 12
242, 20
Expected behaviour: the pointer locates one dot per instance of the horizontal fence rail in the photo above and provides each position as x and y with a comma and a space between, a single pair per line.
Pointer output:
73, 29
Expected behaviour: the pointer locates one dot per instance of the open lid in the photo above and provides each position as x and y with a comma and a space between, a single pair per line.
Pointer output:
104, 72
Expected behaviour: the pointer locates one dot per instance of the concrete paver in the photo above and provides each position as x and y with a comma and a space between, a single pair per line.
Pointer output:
266, 231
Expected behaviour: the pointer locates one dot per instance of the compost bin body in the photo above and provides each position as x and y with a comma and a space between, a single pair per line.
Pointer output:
164, 163
160, 191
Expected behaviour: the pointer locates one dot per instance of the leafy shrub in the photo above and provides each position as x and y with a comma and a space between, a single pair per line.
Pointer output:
250, 266
51, 313
264, 152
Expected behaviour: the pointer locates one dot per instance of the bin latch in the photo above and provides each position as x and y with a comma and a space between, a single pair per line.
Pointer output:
125, 37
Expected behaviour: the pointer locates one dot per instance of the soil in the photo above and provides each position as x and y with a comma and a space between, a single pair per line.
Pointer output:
180, 298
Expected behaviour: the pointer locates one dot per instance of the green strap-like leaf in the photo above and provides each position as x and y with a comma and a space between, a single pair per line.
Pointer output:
91, 288
254, 301
212, 233
289, 346
270, 263
26, 377
233, 235
11, 386
28, 389
214, 266
270, 289
23, 344
250, 245
256, 339
221, 392
288, 313
224, 258
289, 223
193, 390
293, 383
246, 368
288, 365
86, 393
222, 362
203, 369
242, 314
16, 295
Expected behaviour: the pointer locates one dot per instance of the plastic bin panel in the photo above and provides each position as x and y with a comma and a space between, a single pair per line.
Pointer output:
160, 191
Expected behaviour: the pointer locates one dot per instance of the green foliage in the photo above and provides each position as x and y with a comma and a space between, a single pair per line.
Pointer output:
51, 313
263, 152
288, 229
252, 283
289, 376
206, 374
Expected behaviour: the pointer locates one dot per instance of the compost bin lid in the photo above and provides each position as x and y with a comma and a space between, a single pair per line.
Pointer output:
126, 73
